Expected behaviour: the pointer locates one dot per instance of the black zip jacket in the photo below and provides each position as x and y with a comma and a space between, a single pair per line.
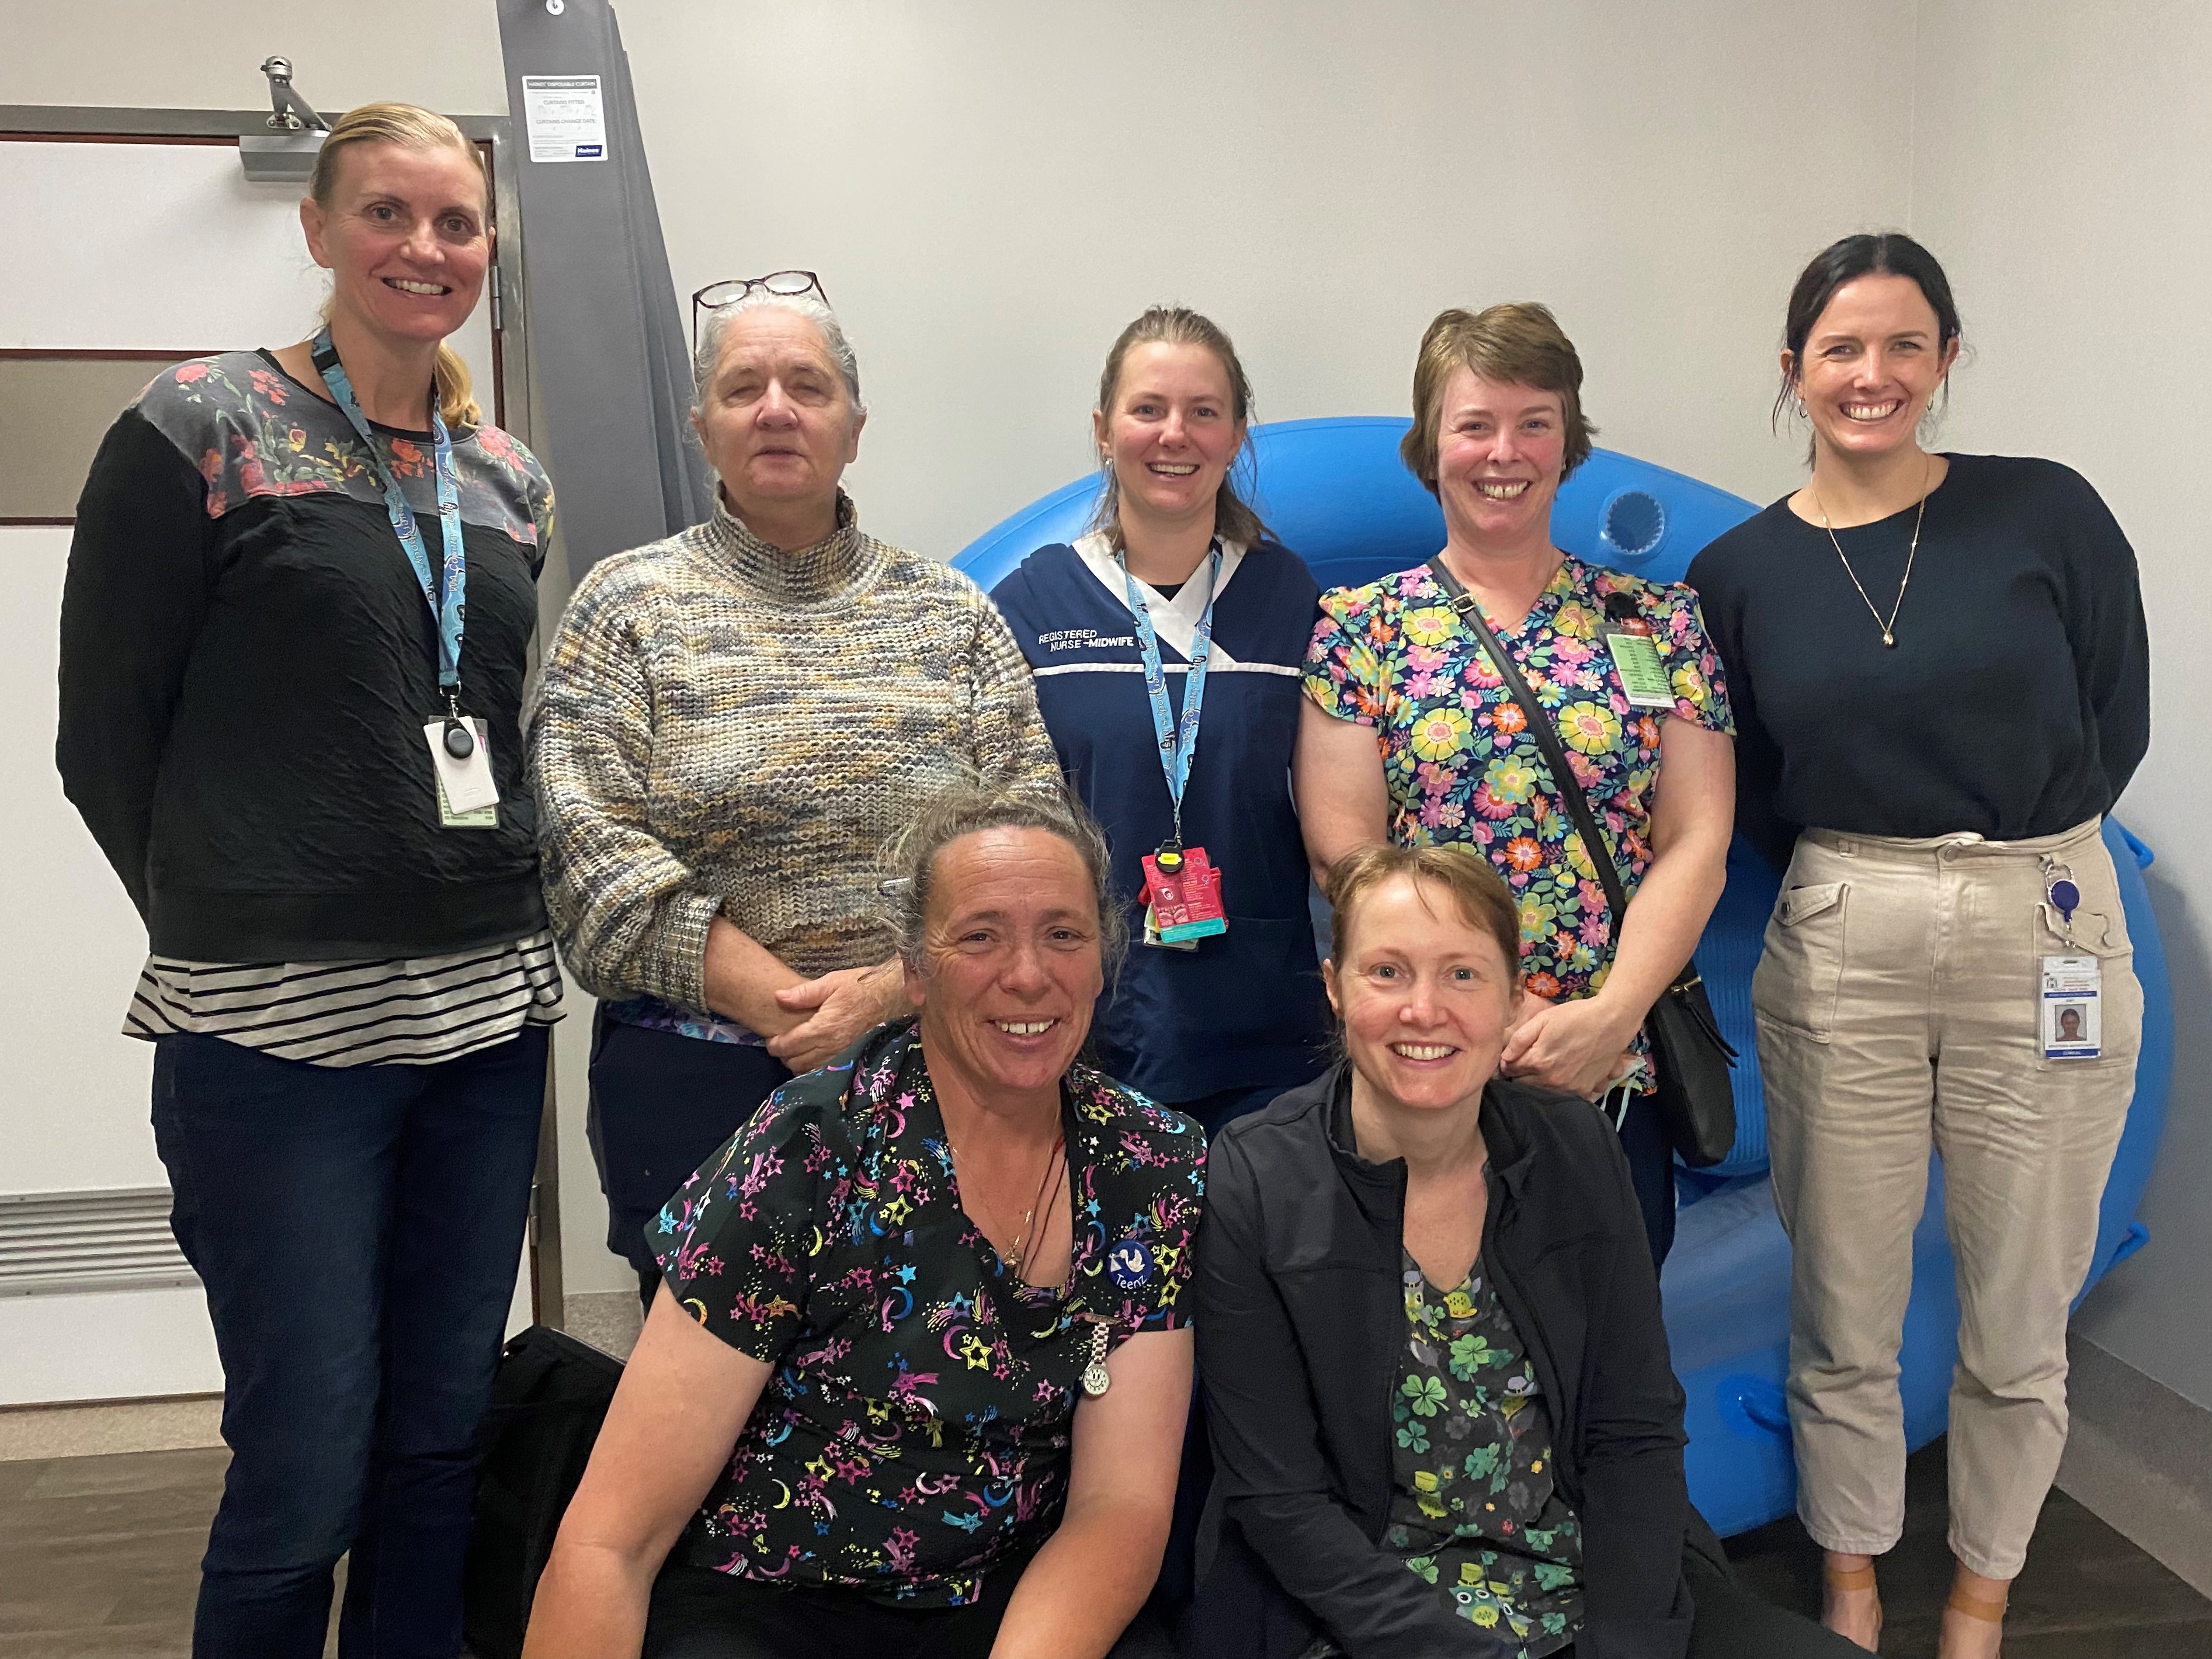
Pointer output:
1301, 1320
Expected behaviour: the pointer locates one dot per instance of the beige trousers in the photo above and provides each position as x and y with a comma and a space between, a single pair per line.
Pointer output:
1899, 1005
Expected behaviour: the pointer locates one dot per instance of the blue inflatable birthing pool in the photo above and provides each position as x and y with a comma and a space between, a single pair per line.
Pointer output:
1335, 491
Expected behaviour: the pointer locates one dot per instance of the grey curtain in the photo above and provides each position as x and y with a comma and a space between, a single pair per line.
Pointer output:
610, 377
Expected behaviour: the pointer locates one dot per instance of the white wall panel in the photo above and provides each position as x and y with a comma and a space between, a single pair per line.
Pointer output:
73, 1089
160, 247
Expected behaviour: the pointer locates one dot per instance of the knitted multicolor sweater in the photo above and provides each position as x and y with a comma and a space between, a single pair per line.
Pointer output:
722, 725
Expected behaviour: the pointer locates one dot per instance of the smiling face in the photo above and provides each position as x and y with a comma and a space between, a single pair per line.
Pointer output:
1172, 434
1425, 996
777, 421
1501, 447
404, 238
1873, 360
1011, 965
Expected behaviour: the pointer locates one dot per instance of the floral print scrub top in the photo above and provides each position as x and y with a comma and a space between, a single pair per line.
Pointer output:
1460, 765
916, 1433
1474, 1511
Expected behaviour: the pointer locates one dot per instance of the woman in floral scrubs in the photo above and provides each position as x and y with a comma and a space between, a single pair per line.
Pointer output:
1411, 736
915, 1379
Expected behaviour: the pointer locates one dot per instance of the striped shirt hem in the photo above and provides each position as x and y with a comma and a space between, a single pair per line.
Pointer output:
395, 1011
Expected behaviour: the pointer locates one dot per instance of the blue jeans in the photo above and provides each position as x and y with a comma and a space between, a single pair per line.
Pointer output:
357, 1231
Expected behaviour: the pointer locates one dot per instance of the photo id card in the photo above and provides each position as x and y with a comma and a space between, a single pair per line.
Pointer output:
468, 797
1643, 674
2071, 991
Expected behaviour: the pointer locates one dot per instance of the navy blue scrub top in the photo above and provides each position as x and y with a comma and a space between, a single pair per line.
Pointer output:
1246, 1009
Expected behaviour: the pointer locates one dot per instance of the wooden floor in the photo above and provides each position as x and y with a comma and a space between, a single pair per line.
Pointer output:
99, 1560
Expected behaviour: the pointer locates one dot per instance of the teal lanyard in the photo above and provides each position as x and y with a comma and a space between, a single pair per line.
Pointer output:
448, 598
1178, 743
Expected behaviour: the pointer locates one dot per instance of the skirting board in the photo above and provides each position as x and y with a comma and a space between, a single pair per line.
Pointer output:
2139, 1457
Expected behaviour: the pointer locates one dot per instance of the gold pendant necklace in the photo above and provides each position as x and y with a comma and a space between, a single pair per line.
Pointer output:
1017, 1255
1888, 627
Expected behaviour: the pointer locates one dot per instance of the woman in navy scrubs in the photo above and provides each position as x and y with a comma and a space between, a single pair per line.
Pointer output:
1178, 593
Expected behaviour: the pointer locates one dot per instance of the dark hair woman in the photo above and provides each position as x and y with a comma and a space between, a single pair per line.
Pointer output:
1165, 645
1940, 669
313, 791
916, 1378
1443, 1418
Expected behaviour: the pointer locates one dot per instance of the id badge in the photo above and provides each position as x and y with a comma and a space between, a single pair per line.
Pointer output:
2071, 995
1643, 674
1182, 904
468, 797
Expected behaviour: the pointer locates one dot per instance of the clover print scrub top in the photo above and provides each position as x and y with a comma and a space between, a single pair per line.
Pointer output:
1460, 765
1474, 1509
914, 1435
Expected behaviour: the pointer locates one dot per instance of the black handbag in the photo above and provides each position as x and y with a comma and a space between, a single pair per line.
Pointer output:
549, 1397
1692, 1059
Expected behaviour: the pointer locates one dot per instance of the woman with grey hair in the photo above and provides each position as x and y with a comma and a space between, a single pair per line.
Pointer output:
731, 723
917, 1378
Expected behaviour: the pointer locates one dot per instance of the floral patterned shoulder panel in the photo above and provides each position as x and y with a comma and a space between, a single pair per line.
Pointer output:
252, 430
1460, 764
915, 1432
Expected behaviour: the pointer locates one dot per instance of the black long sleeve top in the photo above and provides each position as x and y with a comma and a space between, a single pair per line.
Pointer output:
1300, 1316
248, 661
2016, 702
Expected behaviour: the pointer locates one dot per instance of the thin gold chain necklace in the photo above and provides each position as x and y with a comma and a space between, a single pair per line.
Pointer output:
1888, 628
1016, 1255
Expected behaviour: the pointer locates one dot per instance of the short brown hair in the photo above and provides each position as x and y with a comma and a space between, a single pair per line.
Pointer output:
1235, 519
1481, 895
1519, 344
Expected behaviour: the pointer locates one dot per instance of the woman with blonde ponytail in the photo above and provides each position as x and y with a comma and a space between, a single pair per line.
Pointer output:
294, 638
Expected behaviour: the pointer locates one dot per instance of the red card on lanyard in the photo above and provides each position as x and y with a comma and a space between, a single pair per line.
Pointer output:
1185, 900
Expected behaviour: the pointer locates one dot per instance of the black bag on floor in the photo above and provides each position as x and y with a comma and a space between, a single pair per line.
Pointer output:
547, 1400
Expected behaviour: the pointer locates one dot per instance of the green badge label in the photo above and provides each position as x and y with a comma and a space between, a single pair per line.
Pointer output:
1643, 676
484, 818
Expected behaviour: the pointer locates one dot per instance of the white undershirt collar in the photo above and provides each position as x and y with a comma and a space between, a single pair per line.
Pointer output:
1174, 620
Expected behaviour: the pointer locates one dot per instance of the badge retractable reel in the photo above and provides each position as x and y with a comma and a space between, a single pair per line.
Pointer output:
1182, 888
460, 756
2069, 989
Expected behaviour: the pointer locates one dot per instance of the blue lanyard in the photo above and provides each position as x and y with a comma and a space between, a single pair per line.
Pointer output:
453, 589
1177, 744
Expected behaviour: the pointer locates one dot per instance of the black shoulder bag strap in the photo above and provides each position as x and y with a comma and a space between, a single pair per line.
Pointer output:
1689, 1054
1546, 734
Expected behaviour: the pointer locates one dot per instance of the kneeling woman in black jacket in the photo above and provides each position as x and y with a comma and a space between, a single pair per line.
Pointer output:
1444, 1420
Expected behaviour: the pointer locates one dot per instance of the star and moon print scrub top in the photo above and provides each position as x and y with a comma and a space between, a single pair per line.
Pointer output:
916, 1433
1474, 1508
1461, 766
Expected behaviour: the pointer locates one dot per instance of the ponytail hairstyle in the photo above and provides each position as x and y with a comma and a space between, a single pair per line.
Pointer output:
1234, 518
410, 128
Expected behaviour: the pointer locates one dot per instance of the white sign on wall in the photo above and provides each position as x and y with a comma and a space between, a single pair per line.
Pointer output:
566, 116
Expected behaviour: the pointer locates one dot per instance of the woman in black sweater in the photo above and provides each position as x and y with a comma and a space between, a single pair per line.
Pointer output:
295, 632
1444, 1422
1941, 684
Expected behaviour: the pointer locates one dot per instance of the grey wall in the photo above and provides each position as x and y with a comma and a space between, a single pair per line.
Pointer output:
991, 190
190, 54
2063, 169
